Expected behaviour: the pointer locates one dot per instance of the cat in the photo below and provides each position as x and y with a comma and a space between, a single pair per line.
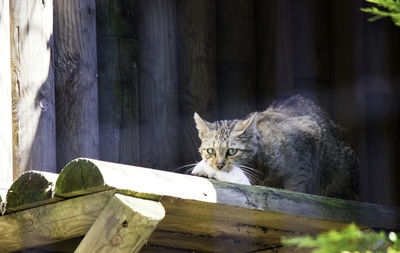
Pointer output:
292, 145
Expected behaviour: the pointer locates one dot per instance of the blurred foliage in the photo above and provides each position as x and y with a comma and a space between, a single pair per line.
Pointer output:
384, 8
350, 239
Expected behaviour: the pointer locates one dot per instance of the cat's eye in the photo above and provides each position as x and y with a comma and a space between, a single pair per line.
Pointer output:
232, 151
211, 151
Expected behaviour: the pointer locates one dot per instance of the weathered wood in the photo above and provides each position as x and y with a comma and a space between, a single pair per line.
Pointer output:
118, 85
208, 242
235, 57
320, 212
51, 223
32, 188
75, 62
274, 47
83, 176
6, 170
124, 225
34, 142
197, 71
158, 81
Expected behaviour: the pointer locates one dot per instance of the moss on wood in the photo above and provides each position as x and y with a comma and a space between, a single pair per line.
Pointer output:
30, 189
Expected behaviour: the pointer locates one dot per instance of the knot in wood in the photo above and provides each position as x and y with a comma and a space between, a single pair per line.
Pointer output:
116, 240
29, 222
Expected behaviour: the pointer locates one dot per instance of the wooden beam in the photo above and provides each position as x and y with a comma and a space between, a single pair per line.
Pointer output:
34, 128
51, 223
75, 68
32, 188
88, 175
124, 225
6, 170
83, 176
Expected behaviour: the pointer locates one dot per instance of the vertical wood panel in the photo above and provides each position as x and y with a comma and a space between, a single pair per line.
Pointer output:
236, 57
75, 64
311, 58
197, 71
118, 90
346, 60
6, 170
377, 97
158, 83
274, 53
32, 86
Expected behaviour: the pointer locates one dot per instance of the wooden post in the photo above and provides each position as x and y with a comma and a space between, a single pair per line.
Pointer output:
158, 83
236, 57
32, 86
75, 71
6, 169
197, 71
118, 88
124, 225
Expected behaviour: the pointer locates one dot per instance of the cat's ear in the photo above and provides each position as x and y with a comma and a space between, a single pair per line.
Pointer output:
242, 125
202, 126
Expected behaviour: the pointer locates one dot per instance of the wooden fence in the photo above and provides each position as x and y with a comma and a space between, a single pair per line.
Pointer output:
120, 80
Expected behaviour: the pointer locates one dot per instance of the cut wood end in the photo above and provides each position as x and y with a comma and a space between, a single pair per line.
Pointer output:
152, 209
30, 187
79, 177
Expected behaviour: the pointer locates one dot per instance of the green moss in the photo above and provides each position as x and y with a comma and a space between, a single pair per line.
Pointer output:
30, 187
77, 177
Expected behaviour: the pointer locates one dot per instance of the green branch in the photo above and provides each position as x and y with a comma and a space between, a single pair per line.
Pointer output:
384, 8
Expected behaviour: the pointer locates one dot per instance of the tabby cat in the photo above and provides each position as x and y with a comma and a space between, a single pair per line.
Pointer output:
292, 145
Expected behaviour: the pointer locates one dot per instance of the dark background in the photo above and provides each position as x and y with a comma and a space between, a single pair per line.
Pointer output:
159, 61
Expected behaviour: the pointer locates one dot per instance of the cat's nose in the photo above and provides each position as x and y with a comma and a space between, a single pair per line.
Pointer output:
220, 165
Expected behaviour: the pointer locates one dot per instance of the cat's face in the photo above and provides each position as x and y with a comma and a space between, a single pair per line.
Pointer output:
226, 146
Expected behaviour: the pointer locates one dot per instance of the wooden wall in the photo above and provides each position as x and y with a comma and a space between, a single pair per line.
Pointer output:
128, 76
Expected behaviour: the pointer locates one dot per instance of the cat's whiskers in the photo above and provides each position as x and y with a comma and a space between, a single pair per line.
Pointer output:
253, 174
186, 171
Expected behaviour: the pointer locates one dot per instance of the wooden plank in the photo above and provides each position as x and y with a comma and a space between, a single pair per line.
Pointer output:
6, 170
32, 188
274, 47
118, 81
124, 225
158, 82
32, 86
197, 71
235, 57
75, 62
320, 212
51, 223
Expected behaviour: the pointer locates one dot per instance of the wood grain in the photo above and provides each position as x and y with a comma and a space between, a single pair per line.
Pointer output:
124, 225
158, 82
6, 156
75, 62
51, 223
235, 28
34, 141
118, 81
197, 71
